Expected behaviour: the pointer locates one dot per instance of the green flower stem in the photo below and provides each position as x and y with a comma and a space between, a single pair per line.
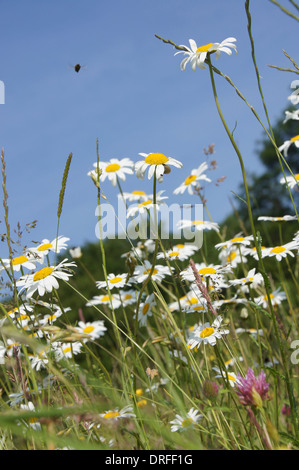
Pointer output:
257, 244
288, 12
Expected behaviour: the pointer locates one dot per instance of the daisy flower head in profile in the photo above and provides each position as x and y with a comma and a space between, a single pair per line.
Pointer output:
46, 246
145, 309
146, 205
113, 301
237, 240
282, 251
116, 414
284, 218
211, 271
197, 225
291, 181
193, 179
207, 334
230, 376
135, 196
114, 281
196, 56
20, 262
287, 143
182, 423
156, 163
179, 252
113, 169
46, 279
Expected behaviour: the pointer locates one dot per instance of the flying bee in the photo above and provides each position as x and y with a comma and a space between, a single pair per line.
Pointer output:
77, 67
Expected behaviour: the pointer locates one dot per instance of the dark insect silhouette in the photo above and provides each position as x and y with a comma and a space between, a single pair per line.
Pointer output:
77, 67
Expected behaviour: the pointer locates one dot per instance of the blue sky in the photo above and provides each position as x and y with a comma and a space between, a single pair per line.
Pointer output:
132, 95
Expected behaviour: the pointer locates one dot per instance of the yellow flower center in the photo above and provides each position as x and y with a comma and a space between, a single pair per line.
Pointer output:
45, 246
173, 253
127, 297
192, 301
145, 203
145, 309
189, 179
19, 260
138, 193
147, 271
297, 177
88, 329
278, 249
198, 222
112, 167
42, 274
207, 332
156, 159
199, 308
66, 350
105, 298
205, 271
139, 391
204, 48
111, 414
116, 279
180, 246
141, 403
293, 139
187, 422
237, 239
230, 377
231, 256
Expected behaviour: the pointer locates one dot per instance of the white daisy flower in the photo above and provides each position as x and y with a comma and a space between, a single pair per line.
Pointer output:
113, 169
20, 262
253, 279
118, 281
286, 145
198, 225
55, 246
233, 255
116, 414
92, 330
127, 297
40, 359
211, 271
291, 181
141, 273
207, 334
236, 240
134, 196
45, 280
105, 300
253, 252
179, 252
66, 350
182, 423
156, 162
230, 376
282, 251
145, 309
276, 297
144, 206
252, 331
31, 422
285, 218
197, 55
192, 180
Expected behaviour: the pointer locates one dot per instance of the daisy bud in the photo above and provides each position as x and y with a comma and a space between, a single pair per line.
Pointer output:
210, 389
